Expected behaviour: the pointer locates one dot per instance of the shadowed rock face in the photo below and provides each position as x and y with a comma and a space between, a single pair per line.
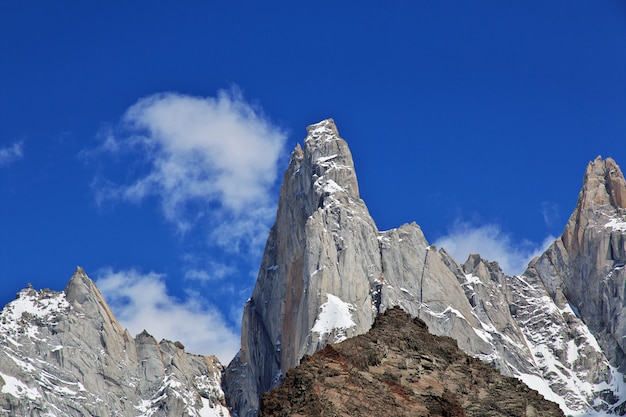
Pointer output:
398, 368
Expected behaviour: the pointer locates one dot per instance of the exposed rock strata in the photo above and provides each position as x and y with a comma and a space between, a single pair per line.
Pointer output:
398, 368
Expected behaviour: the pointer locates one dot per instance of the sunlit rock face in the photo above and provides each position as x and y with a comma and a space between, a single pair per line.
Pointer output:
583, 272
586, 266
64, 354
323, 250
327, 272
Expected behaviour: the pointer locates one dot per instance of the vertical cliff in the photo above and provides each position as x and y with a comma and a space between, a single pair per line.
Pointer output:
327, 272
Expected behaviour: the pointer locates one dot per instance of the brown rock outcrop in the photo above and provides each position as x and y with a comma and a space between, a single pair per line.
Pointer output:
398, 368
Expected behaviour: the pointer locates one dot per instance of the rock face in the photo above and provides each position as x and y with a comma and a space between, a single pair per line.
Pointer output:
327, 272
319, 270
398, 368
586, 266
64, 354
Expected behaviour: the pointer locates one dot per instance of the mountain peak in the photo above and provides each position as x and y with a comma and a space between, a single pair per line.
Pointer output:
64, 354
326, 126
80, 286
601, 202
81, 292
604, 183
329, 162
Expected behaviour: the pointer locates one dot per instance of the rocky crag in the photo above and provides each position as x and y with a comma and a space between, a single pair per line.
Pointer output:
64, 354
398, 368
327, 272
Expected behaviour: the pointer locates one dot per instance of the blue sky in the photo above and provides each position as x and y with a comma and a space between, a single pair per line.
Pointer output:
145, 141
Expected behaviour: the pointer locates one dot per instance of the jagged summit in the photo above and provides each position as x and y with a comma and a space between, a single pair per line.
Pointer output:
326, 126
327, 272
64, 354
585, 267
601, 202
82, 294
604, 184
329, 161
323, 232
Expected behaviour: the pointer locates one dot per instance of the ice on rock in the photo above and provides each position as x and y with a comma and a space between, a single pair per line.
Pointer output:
335, 315
616, 224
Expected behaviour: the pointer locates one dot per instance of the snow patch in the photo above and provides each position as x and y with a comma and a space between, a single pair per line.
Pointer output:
572, 352
208, 410
321, 128
472, 279
323, 159
539, 384
335, 315
445, 314
16, 318
616, 224
331, 187
18, 389
486, 336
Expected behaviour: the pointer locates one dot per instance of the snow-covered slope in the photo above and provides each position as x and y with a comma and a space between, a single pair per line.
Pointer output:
327, 272
63, 354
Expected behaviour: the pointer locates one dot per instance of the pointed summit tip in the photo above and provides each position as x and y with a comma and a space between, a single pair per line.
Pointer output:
326, 126
604, 184
79, 286
79, 271
602, 200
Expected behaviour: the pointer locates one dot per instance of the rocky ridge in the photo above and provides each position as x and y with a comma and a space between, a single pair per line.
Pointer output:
64, 354
398, 368
327, 272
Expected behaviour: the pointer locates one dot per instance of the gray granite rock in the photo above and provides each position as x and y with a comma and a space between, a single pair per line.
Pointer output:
64, 354
327, 272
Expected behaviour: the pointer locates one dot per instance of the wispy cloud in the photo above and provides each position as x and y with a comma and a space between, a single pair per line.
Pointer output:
211, 165
550, 213
216, 155
492, 243
211, 271
11, 153
141, 301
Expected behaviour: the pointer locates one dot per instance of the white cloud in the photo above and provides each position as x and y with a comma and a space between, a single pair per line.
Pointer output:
492, 244
218, 155
11, 153
213, 271
550, 213
140, 301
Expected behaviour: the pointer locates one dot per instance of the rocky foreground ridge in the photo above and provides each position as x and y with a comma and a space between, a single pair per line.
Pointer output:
399, 369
